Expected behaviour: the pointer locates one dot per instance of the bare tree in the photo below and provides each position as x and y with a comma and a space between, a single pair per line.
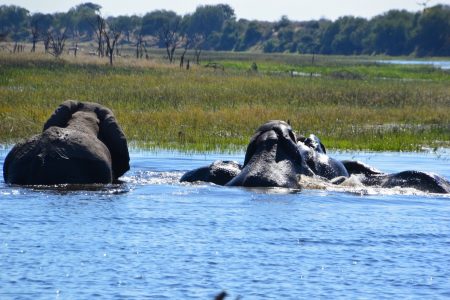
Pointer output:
111, 37
76, 38
194, 41
143, 44
423, 3
186, 44
170, 36
99, 26
197, 44
140, 46
47, 43
34, 37
56, 41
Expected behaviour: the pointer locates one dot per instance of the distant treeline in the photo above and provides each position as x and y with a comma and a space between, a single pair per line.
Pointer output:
215, 27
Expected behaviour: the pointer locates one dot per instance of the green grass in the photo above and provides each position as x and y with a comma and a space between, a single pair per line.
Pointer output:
352, 105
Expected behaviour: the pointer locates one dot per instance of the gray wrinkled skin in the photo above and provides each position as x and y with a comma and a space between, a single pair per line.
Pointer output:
219, 172
422, 181
272, 159
275, 157
81, 143
357, 167
314, 153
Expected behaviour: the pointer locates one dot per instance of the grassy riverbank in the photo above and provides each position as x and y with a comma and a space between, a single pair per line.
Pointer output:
349, 104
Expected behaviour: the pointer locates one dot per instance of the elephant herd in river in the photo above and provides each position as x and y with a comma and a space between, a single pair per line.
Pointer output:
82, 143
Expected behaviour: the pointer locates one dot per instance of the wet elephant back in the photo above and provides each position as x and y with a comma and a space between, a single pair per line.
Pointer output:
59, 155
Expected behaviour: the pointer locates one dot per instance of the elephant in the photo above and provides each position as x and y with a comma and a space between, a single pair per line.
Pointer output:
277, 157
272, 159
423, 181
219, 172
315, 155
81, 143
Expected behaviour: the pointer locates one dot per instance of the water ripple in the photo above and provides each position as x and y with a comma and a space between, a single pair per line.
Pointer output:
153, 237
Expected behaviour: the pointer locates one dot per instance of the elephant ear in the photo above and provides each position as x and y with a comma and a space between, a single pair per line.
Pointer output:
113, 137
251, 148
62, 114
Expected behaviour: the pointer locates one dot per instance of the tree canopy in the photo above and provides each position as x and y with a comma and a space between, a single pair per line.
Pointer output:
215, 27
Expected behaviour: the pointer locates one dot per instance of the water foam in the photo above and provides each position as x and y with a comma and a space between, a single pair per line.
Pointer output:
354, 185
153, 178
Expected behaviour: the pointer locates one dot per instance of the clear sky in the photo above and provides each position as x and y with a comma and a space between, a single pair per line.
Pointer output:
298, 10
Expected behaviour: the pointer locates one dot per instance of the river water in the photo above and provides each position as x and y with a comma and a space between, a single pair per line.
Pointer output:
154, 238
441, 64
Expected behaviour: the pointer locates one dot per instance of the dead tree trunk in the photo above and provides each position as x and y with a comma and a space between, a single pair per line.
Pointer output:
111, 39
198, 40
140, 47
170, 36
197, 53
46, 44
57, 42
185, 49
35, 38
99, 28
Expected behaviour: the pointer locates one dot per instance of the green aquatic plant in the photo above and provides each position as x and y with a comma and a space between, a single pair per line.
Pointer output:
160, 105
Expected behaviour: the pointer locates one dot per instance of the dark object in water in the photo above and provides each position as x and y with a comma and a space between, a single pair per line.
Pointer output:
276, 157
81, 143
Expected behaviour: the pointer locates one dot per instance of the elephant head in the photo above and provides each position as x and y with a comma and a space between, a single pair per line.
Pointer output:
275, 157
314, 154
272, 159
219, 172
81, 143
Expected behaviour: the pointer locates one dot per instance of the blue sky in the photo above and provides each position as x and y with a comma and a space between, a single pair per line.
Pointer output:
300, 10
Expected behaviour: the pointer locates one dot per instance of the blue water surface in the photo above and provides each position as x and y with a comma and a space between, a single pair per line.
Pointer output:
443, 64
154, 238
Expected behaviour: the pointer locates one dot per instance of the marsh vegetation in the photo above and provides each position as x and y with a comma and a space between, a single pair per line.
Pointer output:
349, 102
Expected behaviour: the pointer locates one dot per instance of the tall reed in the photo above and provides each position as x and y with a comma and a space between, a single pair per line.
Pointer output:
160, 105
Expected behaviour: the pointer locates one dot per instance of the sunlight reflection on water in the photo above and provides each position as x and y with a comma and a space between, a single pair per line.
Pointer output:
153, 237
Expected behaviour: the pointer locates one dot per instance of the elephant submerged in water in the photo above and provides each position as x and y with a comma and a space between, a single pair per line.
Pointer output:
272, 159
81, 143
277, 157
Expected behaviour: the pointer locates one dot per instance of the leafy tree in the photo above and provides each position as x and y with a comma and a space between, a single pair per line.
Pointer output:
396, 32
209, 18
166, 26
327, 38
89, 5
14, 20
39, 26
391, 33
252, 35
229, 37
433, 32
271, 45
345, 36
308, 36
83, 16
282, 23
125, 24
286, 38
